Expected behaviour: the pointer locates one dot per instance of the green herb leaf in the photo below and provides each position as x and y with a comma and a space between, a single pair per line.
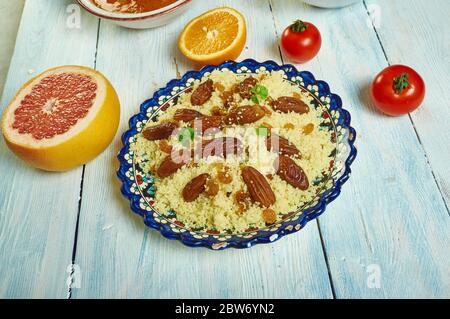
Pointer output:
191, 132
262, 91
262, 131
254, 98
259, 92
186, 134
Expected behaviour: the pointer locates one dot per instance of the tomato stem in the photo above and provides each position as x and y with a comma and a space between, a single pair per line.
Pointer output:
401, 82
298, 26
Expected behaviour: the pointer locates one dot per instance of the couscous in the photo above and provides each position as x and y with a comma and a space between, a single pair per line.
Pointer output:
266, 148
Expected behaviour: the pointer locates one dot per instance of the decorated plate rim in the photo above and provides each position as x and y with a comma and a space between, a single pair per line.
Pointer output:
247, 239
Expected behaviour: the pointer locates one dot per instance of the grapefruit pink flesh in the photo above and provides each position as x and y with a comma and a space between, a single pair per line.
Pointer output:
54, 105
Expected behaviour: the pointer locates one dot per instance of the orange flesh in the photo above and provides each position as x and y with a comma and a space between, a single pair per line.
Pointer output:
214, 34
214, 37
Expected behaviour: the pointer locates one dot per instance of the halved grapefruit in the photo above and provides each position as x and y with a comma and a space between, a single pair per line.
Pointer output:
62, 118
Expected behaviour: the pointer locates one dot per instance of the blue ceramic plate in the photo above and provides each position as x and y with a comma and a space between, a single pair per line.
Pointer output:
138, 186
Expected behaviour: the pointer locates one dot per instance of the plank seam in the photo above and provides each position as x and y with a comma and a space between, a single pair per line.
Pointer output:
376, 33
96, 44
366, 232
429, 164
409, 116
325, 256
80, 199
276, 31
75, 239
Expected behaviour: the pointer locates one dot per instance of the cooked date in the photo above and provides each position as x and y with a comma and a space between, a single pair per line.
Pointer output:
222, 146
258, 187
187, 115
202, 93
266, 110
244, 114
212, 124
227, 98
195, 187
165, 147
159, 132
284, 147
286, 104
173, 162
290, 172
244, 88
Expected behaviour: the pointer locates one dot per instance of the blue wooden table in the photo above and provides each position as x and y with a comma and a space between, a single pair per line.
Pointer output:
72, 235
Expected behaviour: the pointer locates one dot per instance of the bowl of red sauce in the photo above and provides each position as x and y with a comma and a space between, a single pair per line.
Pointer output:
136, 14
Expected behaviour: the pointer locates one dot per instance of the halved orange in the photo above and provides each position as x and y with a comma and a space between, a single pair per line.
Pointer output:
214, 37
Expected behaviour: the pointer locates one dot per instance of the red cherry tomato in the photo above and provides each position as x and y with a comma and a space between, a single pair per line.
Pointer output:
301, 41
397, 90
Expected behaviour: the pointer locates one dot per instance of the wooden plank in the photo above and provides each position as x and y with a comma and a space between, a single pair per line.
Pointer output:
117, 255
390, 222
419, 25
10, 14
38, 210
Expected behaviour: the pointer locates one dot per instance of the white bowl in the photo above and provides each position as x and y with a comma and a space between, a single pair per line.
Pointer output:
331, 3
145, 20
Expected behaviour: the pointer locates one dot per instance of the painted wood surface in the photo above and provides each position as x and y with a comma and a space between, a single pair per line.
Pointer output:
127, 260
38, 210
428, 51
391, 216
